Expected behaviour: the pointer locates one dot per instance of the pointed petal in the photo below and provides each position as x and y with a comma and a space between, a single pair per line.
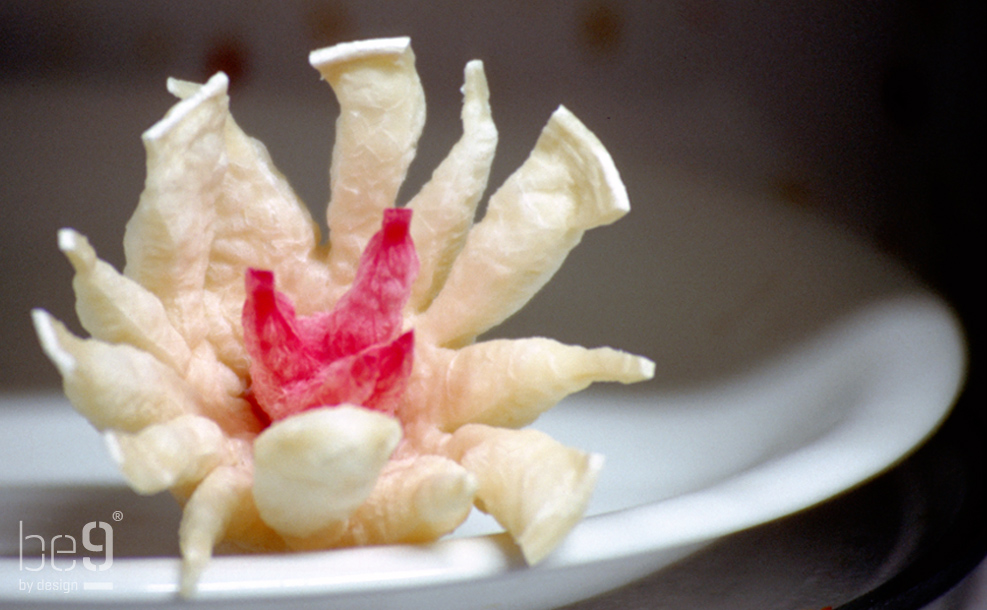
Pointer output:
178, 452
316, 468
567, 185
291, 371
416, 499
116, 309
207, 516
382, 113
279, 353
261, 223
446, 206
370, 311
349, 354
113, 386
510, 382
168, 238
535, 487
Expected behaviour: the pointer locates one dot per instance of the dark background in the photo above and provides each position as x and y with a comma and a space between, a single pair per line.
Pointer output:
869, 113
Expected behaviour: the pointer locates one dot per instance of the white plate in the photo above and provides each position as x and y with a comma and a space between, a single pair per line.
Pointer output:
684, 468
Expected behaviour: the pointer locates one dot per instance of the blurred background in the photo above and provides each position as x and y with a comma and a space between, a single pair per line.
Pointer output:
853, 126
868, 114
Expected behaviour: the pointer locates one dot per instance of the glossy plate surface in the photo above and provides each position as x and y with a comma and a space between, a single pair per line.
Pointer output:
683, 468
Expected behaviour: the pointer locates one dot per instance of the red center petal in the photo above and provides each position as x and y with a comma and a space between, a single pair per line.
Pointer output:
351, 354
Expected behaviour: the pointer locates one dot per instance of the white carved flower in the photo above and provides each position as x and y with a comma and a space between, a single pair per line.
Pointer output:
294, 394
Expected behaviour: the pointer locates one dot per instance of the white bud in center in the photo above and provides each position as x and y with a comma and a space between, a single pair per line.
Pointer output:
315, 468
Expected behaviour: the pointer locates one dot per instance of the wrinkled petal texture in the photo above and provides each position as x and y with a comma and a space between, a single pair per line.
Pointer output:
350, 354
299, 394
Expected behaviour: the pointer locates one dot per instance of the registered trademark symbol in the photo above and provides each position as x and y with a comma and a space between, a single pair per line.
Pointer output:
118, 515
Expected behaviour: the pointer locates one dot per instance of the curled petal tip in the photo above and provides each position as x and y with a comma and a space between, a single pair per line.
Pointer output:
396, 223
77, 250
67, 239
443, 500
647, 368
45, 327
215, 86
610, 194
182, 89
361, 48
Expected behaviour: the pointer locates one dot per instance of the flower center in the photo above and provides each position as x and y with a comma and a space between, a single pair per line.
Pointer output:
355, 353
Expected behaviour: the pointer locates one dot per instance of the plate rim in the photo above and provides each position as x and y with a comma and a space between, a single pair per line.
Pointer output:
469, 559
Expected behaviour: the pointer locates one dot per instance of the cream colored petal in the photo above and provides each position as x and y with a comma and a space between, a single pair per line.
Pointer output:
260, 223
213, 380
208, 514
535, 487
510, 382
115, 309
178, 452
224, 312
417, 499
113, 386
567, 185
167, 240
315, 468
182, 89
382, 113
220, 393
445, 207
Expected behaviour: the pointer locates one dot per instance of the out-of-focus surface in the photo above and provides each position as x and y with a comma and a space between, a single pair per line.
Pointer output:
860, 112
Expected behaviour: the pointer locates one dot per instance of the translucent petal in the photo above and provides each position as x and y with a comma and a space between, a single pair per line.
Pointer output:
370, 311
567, 185
115, 309
445, 207
510, 382
261, 223
113, 386
349, 354
534, 486
382, 113
168, 238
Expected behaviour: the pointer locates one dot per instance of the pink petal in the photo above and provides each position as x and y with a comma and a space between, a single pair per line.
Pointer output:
372, 378
370, 311
271, 333
351, 354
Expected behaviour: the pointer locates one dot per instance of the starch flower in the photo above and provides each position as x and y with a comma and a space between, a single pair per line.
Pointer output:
294, 394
